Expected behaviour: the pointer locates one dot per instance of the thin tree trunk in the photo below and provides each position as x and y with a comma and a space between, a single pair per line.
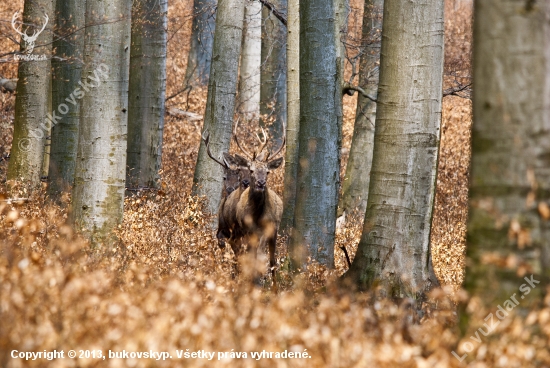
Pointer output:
31, 105
66, 69
318, 170
98, 191
510, 181
355, 187
251, 59
48, 132
220, 104
341, 11
147, 93
293, 114
394, 250
273, 74
202, 40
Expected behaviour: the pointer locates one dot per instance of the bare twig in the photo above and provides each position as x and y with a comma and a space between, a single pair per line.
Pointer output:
15, 200
347, 255
191, 116
141, 189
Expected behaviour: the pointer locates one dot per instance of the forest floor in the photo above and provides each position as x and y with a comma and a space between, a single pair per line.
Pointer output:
166, 286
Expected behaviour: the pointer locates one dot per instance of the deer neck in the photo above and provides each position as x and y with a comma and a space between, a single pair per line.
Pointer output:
258, 201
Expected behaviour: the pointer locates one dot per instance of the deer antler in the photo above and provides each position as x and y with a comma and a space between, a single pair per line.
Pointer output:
206, 138
246, 153
282, 145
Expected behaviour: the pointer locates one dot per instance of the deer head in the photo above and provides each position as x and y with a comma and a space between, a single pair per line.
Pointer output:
259, 163
233, 174
29, 40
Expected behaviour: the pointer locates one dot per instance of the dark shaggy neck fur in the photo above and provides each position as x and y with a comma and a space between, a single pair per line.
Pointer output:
257, 201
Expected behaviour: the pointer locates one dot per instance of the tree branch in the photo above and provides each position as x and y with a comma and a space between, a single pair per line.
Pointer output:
349, 90
275, 12
454, 91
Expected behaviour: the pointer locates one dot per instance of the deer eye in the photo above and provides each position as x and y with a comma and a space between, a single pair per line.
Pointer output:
224, 178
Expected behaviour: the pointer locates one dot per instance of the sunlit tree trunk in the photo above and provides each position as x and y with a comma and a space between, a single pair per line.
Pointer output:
293, 114
220, 104
66, 69
318, 169
355, 187
202, 40
147, 93
98, 191
273, 73
508, 226
31, 105
251, 58
394, 250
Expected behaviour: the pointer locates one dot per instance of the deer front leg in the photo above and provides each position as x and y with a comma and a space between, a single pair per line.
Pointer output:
272, 243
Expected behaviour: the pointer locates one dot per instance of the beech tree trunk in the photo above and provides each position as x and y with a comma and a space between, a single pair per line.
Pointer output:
66, 71
202, 41
394, 251
31, 105
318, 169
508, 227
251, 59
355, 187
147, 93
293, 114
98, 191
273, 74
220, 104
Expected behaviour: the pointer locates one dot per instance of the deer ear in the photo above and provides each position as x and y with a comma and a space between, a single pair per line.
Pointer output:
229, 159
240, 161
273, 164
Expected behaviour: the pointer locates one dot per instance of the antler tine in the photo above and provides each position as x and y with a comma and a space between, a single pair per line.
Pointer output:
283, 144
246, 153
45, 24
36, 32
263, 143
13, 19
206, 138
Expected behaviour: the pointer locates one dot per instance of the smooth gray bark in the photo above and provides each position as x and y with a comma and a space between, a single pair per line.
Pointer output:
510, 175
98, 191
355, 187
147, 93
394, 251
31, 105
318, 169
251, 59
273, 74
66, 73
220, 104
293, 114
202, 41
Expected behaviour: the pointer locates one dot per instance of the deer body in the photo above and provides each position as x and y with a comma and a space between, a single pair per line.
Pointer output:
235, 179
252, 214
227, 210
259, 211
258, 217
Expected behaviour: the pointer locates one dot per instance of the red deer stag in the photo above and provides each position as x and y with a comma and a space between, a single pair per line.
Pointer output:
259, 209
235, 179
